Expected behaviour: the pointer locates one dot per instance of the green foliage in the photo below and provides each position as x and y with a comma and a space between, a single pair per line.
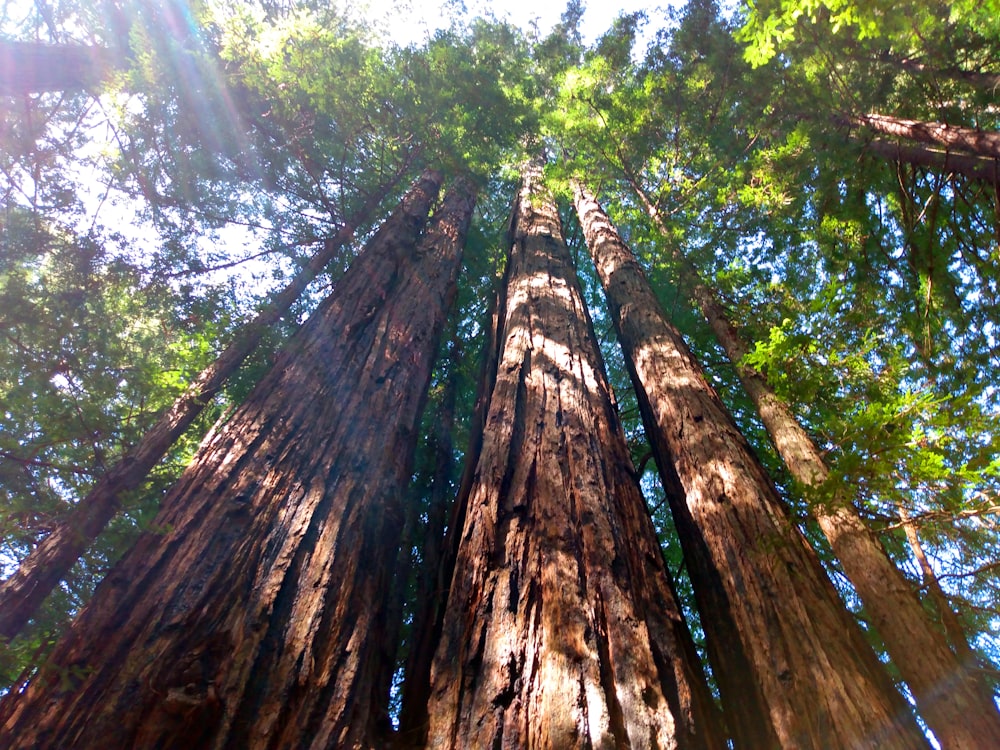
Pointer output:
863, 288
868, 291
770, 25
469, 96
89, 356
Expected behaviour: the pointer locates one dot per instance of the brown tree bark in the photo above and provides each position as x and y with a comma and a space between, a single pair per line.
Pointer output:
949, 620
971, 140
950, 694
254, 618
809, 664
23, 592
561, 628
972, 167
429, 595
947, 688
413, 717
34, 67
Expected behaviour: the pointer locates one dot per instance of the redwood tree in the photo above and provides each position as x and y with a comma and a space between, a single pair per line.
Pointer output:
561, 627
767, 606
950, 693
945, 161
23, 592
971, 140
251, 618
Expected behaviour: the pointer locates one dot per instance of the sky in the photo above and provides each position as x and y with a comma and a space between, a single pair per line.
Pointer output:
425, 16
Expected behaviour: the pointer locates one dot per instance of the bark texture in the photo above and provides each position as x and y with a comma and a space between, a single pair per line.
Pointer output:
429, 587
951, 695
413, 715
970, 140
23, 592
561, 630
950, 622
949, 692
254, 619
972, 167
808, 662
979, 79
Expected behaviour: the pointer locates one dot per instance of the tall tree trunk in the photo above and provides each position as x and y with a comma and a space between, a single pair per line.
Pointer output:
413, 716
254, 618
24, 591
947, 689
561, 629
35, 67
432, 516
972, 167
949, 621
970, 140
809, 663
429, 595
949, 692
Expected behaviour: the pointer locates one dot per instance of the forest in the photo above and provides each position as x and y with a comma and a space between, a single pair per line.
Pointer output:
504, 389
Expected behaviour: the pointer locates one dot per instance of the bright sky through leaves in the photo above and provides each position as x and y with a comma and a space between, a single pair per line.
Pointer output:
411, 21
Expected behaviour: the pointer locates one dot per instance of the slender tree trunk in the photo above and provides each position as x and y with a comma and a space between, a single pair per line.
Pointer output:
34, 67
972, 167
432, 517
23, 592
255, 618
561, 629
950, 694
949, 621
413, 718
430, 591
947, 689
971, 140
809, 662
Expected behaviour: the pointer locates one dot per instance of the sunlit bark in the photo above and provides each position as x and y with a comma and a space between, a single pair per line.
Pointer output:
254, 617
24, 591
970, 140
946, 687
561, 629
807, 663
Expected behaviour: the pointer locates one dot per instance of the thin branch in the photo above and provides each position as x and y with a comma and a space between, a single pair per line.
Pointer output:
38, 463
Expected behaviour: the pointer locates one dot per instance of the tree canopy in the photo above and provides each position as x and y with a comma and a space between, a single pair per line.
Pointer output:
819, 170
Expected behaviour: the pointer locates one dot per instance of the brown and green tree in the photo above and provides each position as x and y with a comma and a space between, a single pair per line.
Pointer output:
561, 628
22, 593
707, 236
272, 554
837, 286
756, 578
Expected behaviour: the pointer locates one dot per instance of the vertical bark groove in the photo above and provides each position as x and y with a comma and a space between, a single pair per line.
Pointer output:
547, 641
952, 697
810, 670
24, 591
265, 632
